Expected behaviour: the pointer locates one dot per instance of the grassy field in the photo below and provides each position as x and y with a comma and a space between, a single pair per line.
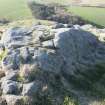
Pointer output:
18, 9
96, 15
14, 9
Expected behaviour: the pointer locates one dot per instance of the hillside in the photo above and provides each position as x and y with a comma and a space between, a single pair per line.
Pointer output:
17, 9
50, 65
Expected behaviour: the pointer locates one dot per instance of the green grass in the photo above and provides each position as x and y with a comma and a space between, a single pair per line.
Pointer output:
14, 9
96, 15
18, 9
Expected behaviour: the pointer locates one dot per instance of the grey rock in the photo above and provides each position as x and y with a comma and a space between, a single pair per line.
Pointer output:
80, 50
30, 89
48, 44
9, 87
2, 101
87, 27
76, 26
12, 60
1, 46
16, 37
13, 100
74, 61
48, 61
59, 25
25, 54
11, 75
39, 27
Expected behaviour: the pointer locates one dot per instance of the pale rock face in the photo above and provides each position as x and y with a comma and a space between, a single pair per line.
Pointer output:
9, 87
13, 100
30, 89
3, 101
87, 27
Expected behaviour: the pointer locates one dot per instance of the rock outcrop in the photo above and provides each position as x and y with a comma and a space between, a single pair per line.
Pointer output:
44, 63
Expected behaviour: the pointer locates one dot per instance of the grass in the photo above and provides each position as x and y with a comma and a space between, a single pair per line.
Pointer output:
96, 15
18, 10
14, 9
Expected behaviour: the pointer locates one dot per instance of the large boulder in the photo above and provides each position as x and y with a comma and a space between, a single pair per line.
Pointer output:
82, 53
69, 49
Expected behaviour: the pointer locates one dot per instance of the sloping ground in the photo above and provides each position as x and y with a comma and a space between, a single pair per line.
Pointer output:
50, 65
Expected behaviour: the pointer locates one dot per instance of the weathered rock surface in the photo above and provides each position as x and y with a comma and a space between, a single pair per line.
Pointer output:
16, 37
30, 89
3, 101
46, 61
10, 87
14, 100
